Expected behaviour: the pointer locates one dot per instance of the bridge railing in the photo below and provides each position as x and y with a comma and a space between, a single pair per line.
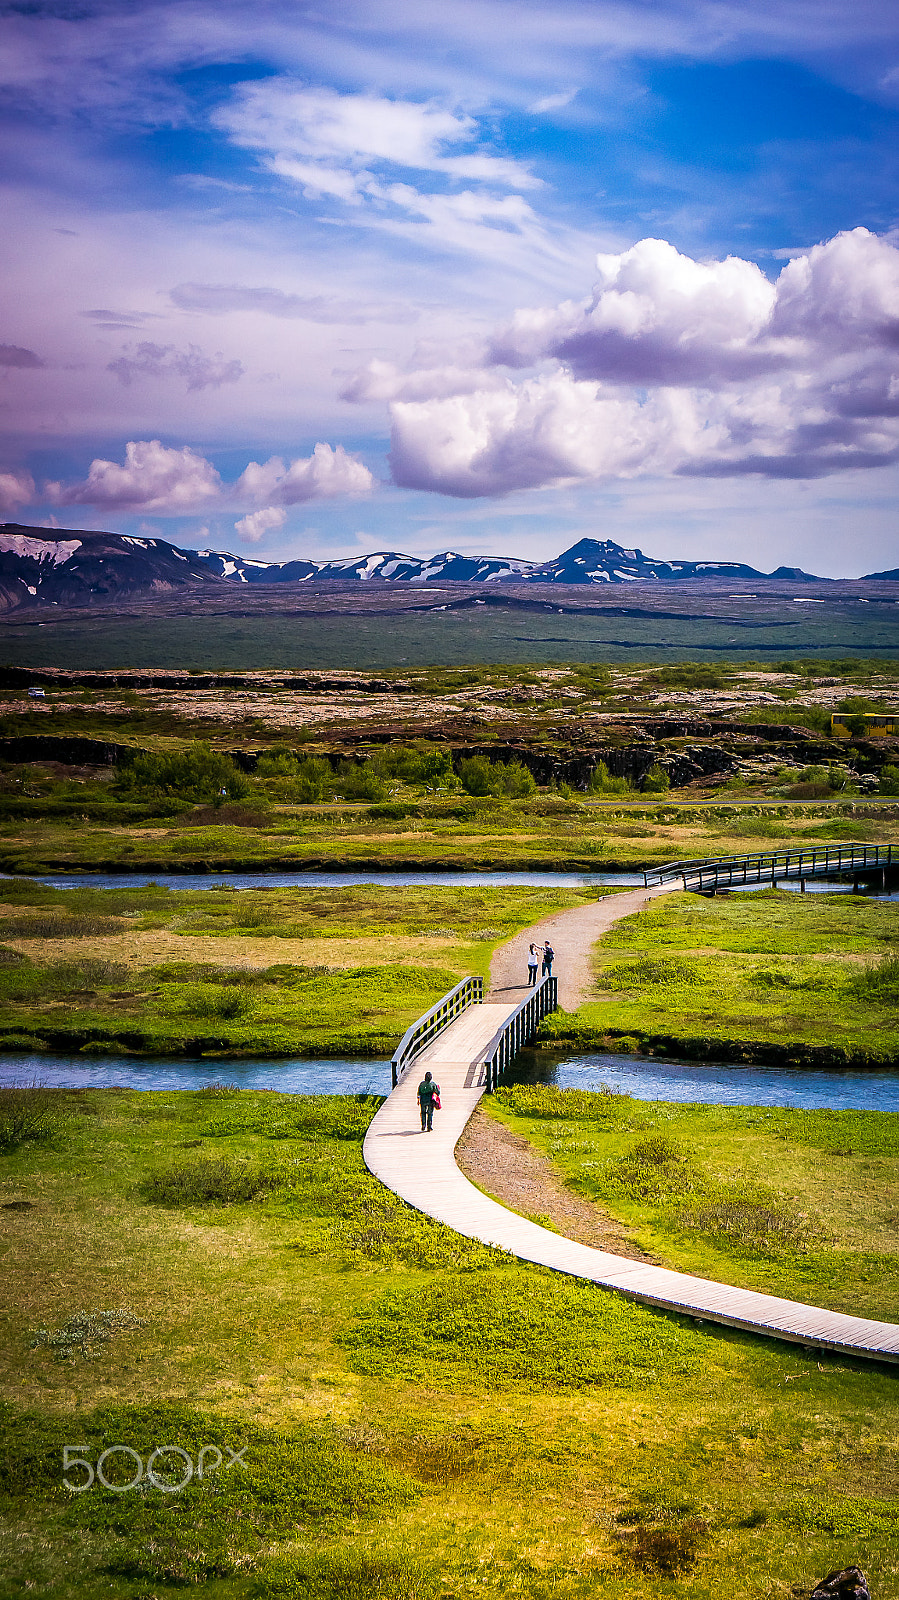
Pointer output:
518, 1030
770, 865
470, 992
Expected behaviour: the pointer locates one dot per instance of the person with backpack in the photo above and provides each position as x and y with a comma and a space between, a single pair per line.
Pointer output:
428, 1101
548, 956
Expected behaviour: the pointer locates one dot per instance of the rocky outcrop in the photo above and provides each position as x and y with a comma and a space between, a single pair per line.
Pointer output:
848, 1584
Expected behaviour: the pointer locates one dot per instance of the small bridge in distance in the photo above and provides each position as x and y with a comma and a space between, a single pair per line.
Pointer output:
868, 863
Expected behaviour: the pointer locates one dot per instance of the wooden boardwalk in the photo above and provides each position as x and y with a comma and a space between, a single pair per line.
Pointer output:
421, 1168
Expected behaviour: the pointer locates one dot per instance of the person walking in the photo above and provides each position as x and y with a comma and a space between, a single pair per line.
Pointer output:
428, 1101
533, 964
548, 957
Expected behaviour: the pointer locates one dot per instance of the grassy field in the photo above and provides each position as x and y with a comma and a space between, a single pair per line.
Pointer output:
767, 976
547, 833
801, 1204
441, 638
422, 1420
317, 973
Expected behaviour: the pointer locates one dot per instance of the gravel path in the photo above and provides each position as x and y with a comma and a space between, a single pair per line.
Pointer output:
572, 935
511, 1170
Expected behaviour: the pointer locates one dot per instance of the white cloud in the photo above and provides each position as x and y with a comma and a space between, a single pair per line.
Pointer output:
325, 475
655, 316
16, 489
321, 138
553, 102
257, 523
672, 366
156, 478
220, 299
199, 371
153, 478
548, 430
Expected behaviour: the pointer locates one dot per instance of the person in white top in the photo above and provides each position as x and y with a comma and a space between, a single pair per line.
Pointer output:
533, 963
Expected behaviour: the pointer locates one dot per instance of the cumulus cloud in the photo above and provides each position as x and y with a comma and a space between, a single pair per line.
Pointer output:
157, 478
257, 523
16, 489
672, 365
548, 430
153, 478
199, 371
325, 475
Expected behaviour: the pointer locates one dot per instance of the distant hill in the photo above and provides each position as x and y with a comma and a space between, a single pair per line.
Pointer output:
78, 568
889, 577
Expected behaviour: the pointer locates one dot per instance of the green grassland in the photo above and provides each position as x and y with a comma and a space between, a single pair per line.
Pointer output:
801, 1204
547, 833
423, 1418
446, 638
767, 976
299, 972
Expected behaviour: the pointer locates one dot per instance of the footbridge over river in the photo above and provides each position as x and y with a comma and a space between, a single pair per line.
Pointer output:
465, 1040
863, 863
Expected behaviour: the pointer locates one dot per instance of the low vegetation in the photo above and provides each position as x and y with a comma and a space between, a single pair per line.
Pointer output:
768, 976
381, 1408
311, 972
795, 1203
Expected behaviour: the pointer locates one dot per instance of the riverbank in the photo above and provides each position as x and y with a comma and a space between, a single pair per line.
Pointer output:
545, 833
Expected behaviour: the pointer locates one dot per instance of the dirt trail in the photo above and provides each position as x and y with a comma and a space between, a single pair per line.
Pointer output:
572, 935
511, 1170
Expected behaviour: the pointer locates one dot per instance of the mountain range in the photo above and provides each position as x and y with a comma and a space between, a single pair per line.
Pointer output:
78, 568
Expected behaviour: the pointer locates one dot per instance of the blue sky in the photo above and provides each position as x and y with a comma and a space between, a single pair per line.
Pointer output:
490, 277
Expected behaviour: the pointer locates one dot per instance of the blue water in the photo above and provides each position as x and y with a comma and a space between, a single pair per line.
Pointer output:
717, 1083
339, 880
706, 1083
184, 1072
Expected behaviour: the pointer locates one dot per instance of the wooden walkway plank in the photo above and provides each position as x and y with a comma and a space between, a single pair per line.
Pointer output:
421, 1169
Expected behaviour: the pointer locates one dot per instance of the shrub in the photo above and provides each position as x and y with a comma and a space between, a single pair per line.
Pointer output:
220, 1524
889, 780
665, 1551
656, 781
198, 772
208, 1180
86, 1333
514, 1325
27, 1112
347, 1574
214, 1001
601, 782
481, 777
759, 1226
557, 1105
878, 982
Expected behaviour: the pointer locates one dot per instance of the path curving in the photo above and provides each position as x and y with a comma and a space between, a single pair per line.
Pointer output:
421, 1168
572, 935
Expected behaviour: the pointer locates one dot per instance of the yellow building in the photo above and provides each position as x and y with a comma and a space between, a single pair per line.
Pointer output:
878, 724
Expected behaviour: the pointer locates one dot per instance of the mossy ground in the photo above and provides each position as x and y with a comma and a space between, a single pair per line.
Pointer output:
801, 1204
767, 975
308, 972
549, 833
423, 1418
